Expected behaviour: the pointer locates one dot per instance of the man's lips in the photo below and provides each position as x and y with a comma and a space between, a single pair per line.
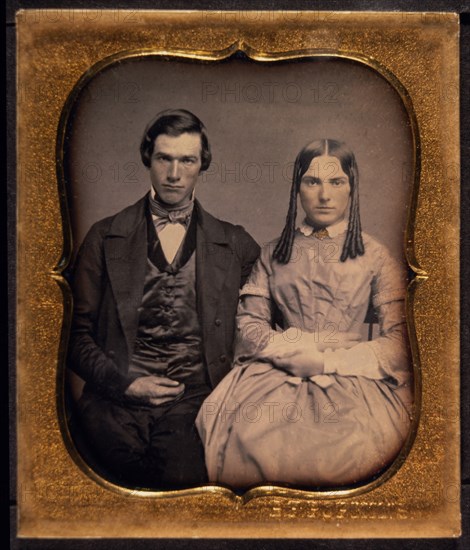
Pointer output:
172, 188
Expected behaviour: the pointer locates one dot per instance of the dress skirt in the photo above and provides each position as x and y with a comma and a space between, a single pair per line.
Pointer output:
262, 425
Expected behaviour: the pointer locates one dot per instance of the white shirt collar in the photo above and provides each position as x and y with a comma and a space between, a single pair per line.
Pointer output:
153, 195
334, 229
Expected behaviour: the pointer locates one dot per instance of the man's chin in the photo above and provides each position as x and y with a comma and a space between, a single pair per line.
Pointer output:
171, 200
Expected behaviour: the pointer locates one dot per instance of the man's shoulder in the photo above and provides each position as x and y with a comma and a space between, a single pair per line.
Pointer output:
121, 221
212, 223
233, 228
234, 235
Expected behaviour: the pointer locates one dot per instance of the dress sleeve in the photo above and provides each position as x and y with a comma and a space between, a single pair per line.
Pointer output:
385, 357
255, 318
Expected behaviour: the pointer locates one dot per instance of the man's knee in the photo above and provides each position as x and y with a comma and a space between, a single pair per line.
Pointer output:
113, 433
180, 450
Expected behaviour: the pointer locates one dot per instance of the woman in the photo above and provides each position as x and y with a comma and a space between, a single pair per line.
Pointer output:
308, 403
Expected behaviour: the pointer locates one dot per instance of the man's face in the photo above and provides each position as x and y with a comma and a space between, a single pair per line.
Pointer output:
175, 166
324, 191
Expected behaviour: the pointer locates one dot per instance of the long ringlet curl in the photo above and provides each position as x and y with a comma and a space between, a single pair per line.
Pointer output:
353, 244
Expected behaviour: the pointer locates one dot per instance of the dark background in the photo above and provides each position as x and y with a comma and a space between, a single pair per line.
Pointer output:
7, 404
258, 116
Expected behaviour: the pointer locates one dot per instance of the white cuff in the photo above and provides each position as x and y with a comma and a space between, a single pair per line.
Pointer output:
360, 360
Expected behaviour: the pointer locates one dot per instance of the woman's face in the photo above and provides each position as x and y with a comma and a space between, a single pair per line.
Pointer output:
324, 191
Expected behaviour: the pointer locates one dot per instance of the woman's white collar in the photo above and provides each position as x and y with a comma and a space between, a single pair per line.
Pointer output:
334, 229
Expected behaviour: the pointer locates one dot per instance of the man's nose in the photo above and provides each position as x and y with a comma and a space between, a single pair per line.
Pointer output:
174, 171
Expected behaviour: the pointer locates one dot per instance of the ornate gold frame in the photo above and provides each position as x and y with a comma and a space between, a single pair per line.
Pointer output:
58, 494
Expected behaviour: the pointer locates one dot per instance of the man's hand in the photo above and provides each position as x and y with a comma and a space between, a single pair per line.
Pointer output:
155, 390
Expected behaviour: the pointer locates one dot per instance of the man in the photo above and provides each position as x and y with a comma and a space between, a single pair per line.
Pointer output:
155, 296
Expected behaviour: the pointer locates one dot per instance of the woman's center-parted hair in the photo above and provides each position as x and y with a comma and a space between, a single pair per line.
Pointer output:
353, 244
174, 122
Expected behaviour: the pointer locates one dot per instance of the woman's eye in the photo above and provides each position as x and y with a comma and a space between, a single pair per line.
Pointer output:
310, 183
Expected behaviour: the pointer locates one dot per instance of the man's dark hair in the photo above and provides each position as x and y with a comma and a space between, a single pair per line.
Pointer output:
174, 122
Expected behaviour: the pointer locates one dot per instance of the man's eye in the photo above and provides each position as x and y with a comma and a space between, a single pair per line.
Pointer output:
188, 161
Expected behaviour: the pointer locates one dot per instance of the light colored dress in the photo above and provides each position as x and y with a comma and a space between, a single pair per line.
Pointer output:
261, 424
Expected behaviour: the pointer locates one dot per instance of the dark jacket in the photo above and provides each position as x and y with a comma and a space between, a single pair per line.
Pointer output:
108, 286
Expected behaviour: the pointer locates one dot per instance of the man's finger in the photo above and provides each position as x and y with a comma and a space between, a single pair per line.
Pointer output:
164, 391
164, 381
156, 401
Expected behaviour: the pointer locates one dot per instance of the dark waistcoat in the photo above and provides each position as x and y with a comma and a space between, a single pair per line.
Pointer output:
169, 335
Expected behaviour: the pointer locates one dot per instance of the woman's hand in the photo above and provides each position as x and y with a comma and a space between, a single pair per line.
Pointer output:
301, 353
326, 339
295, 352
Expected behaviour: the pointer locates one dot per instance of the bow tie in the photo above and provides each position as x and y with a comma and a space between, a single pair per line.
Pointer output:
165, 217
172, 217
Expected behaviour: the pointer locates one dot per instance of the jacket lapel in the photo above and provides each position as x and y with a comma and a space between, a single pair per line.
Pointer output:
125, 249
213, 259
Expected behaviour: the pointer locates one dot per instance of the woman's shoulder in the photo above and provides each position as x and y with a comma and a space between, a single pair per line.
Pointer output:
383, 262
371, 241
271, 244
266, 256
374, 248
268, 248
